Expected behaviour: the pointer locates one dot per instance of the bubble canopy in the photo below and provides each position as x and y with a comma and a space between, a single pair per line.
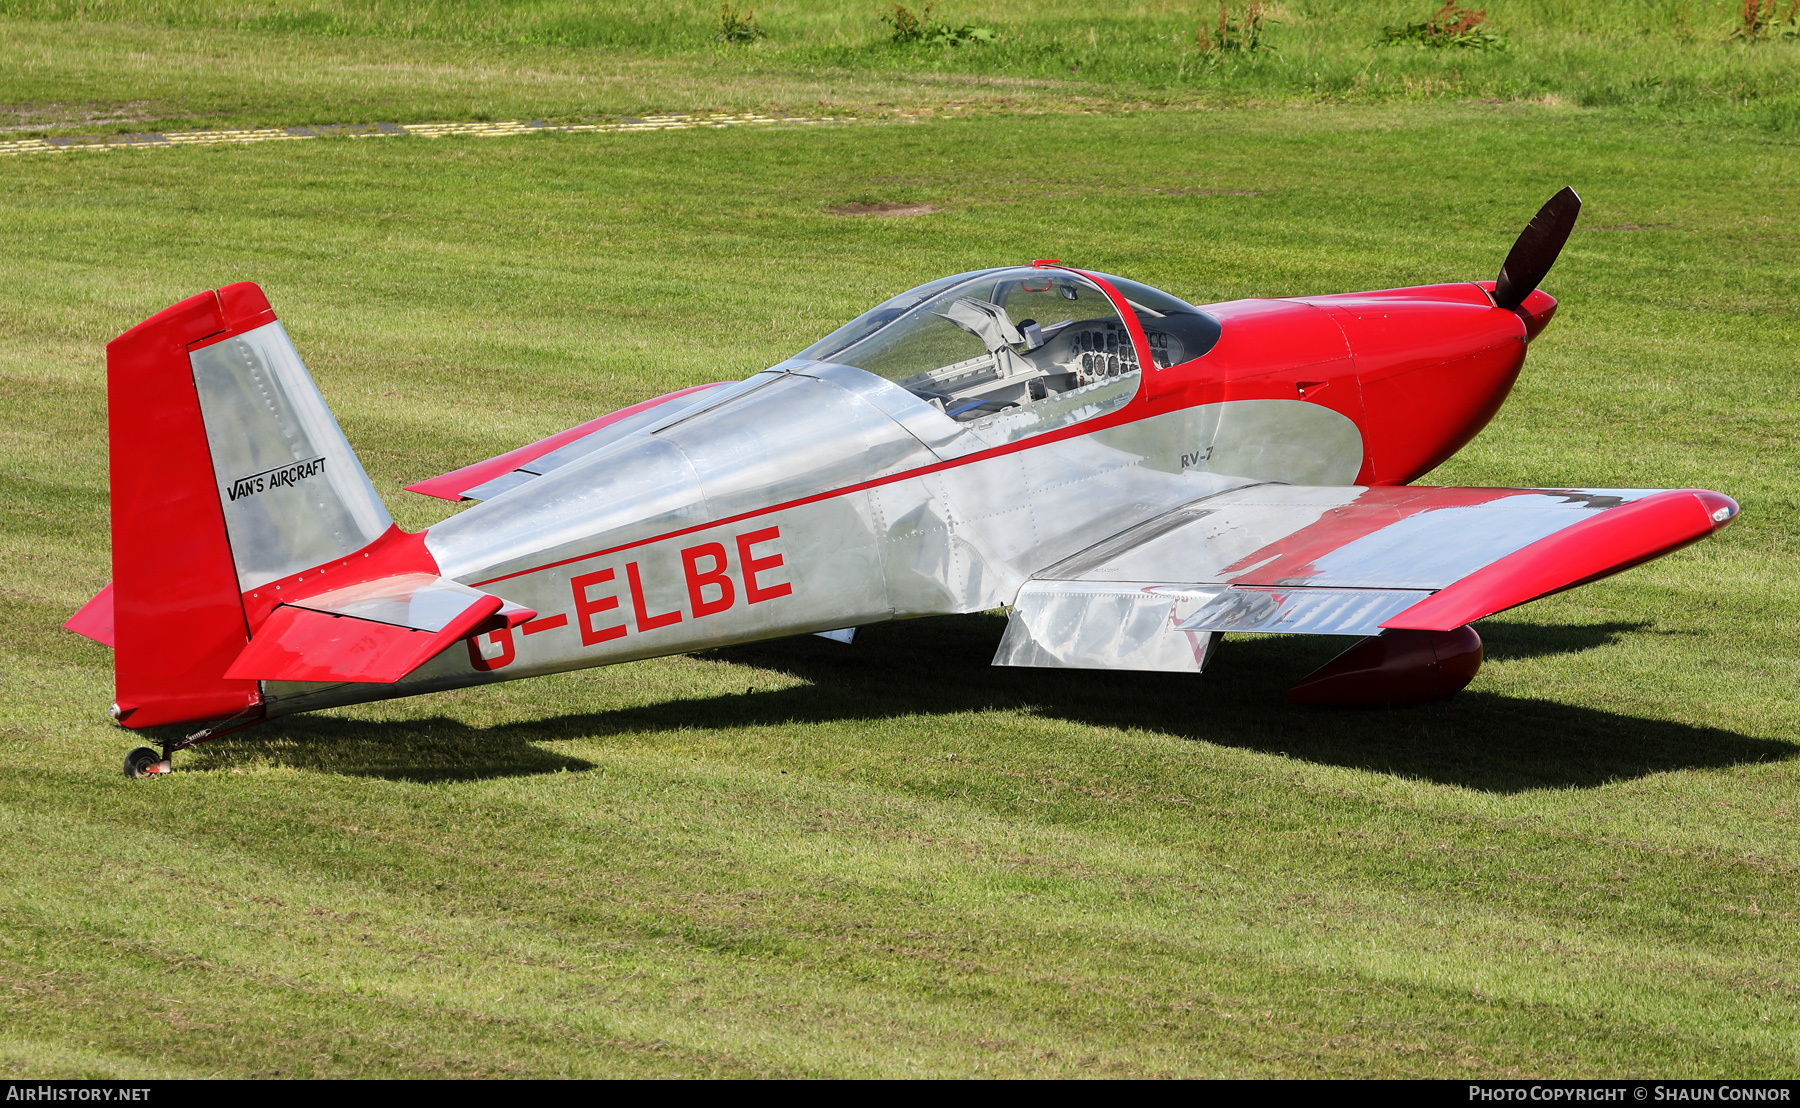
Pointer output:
1019, 341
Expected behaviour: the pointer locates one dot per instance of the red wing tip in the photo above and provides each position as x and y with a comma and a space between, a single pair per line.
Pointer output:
1720, 508
427, 488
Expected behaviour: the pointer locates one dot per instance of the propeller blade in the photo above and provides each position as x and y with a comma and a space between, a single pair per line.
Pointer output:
1535, 252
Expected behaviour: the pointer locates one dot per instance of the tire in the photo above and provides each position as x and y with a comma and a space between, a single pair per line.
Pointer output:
139, 761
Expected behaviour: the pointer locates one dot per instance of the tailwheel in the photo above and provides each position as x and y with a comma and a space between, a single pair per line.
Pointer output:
144, 762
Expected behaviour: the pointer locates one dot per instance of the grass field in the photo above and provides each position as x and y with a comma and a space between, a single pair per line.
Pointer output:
73, 65
798, 858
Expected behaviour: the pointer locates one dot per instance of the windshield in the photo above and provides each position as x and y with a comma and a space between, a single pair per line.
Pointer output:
992, 341
1176, 330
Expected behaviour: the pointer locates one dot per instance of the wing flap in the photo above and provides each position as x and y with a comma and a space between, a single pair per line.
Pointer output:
1069, 625
1172, 628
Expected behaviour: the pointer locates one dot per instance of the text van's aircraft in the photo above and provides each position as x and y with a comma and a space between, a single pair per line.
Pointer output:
1132, 476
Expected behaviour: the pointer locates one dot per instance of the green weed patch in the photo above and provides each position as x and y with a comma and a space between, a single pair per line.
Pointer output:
177, 63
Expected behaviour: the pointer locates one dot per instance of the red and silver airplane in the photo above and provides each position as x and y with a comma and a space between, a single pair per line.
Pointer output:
1132, 476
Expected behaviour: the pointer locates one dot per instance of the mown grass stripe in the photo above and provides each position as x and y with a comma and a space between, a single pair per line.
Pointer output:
476, 128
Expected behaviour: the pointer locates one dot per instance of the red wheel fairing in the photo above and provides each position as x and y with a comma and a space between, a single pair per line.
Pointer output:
1394, 669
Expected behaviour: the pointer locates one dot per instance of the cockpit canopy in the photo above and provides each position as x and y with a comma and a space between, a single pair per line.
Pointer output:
1001, 340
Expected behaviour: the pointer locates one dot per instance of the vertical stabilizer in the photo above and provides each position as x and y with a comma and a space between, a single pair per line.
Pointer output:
293, 493
227, 471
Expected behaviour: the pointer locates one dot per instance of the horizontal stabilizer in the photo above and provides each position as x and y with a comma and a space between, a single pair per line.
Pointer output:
484, 480
420, 601
373, 632
95, 619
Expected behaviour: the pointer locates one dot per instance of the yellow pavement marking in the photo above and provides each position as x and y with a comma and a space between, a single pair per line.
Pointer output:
675, 122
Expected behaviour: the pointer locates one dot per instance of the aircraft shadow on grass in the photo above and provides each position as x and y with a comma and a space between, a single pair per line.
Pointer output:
1507, 642
940, 667
434, 749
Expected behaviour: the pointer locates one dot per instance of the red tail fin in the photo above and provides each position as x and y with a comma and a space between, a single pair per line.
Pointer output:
178, 616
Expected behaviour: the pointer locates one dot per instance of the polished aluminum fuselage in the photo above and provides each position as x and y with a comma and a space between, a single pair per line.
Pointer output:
814, 497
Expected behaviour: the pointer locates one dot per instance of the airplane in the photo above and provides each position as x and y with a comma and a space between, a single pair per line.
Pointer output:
1130, 476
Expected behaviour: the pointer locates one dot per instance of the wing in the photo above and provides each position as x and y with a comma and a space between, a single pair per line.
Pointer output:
1337, 561
484, 480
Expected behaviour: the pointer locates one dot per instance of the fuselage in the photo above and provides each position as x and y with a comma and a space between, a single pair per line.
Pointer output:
816, 496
